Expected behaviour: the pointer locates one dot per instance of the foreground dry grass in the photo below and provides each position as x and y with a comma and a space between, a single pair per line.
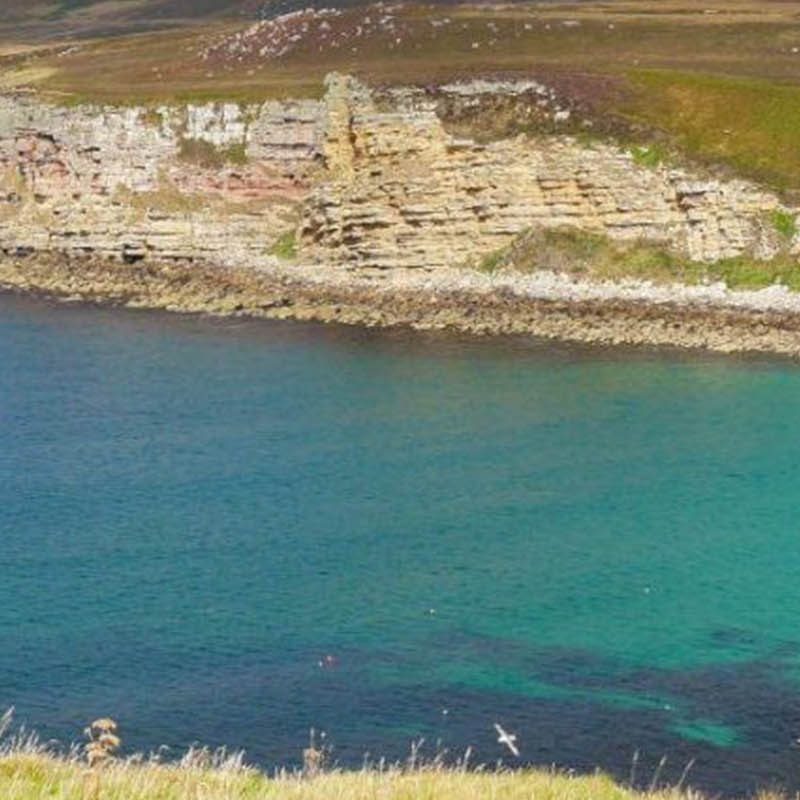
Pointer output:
34, 776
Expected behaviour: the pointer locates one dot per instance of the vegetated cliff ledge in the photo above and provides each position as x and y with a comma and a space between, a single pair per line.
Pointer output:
362, 208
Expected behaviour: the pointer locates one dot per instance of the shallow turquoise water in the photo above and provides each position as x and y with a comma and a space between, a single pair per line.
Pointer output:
232, 532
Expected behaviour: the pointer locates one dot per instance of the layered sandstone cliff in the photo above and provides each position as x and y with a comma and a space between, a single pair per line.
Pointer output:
358, 183
198, 183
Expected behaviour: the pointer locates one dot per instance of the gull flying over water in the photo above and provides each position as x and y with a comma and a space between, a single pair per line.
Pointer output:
506, 738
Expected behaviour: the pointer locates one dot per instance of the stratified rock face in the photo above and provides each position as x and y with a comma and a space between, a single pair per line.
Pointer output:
402, 192
370, 185
130, 182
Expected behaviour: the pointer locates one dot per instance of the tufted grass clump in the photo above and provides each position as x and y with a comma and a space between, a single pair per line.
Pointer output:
784, 223
494, 260
285, 247
651, 155
103, 741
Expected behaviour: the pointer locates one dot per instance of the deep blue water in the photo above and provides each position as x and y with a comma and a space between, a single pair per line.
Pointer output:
231, 532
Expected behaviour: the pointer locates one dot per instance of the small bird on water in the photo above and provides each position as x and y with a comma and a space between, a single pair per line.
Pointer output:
506, 738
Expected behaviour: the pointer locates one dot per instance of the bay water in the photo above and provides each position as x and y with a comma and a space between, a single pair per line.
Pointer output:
232, 532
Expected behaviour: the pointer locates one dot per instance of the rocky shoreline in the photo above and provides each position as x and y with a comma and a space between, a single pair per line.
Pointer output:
703, 317
363, 208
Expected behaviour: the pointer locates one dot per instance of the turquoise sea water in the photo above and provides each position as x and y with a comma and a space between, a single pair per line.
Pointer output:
230, 532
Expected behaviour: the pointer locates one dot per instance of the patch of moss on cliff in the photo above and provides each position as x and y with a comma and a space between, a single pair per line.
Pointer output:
166, 198
206, 154
784, 223
651, 155
285, 247
152, 118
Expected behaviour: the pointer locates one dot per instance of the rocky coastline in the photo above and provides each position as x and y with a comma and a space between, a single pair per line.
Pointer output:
365, 208
711, 318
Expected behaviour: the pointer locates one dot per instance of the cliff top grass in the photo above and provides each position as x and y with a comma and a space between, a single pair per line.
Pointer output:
36, 777
750, 124
424, 43
717, 81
